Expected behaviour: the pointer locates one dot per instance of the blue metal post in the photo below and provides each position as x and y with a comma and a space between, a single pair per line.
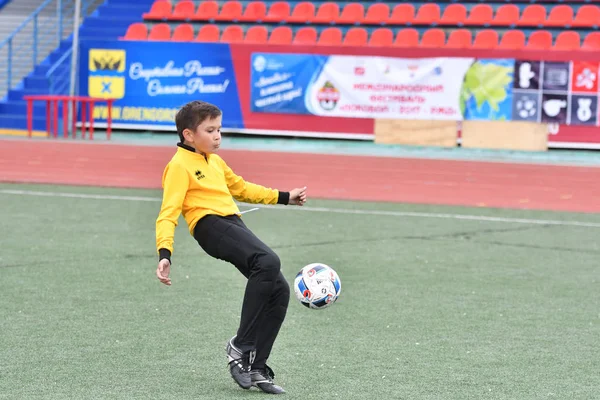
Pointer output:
35, 39
9, 71
59, 19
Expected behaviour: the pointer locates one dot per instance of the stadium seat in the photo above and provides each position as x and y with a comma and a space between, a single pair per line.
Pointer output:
160, 31
232, 34
377, 14
533, 15
256, 34
356, 37
486, 39
460, 39
231, 11
183, 33
331, 36
208, 33
567, 40
281, 35
382, 37
427, 14
433, 38
136, 31
184, 10
305, 36
327, 13
255, 11
512, 40
454, 14
587, 16
408, 37
160, 9
402, 14
353, 13
560, 16
303, 13
279, 11
207, 11
506, 15
539, 40
481, 14
591, 42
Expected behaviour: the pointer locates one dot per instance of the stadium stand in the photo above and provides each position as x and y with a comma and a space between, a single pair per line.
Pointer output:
500, 24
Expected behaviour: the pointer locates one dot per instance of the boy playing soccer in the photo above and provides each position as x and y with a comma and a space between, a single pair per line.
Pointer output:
199, 183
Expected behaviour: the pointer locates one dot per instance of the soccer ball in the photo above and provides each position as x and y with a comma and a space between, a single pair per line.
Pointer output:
317, 286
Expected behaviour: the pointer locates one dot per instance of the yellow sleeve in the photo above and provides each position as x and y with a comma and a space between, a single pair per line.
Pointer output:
175, 184
248, 192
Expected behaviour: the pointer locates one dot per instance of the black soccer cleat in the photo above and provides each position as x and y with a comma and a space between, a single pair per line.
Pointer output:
239, 364
263, 379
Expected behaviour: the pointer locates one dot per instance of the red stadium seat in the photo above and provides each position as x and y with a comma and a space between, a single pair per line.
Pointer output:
306, 35
231, 11
303, 12
591, 42
433, 38
207, 11
183, 10
402, 14
356, 37
183, 33
160, 9
377, 14
539, 40
486, 39
255, 11
256, 34
454, 14
561, 15
330, 37
353, 13
208, 33
281, 35
427, 14
382, 37
512, 40
481, 14
136, 31
232, 34
533, 15
327, 13
279, 11
408, 37
587, 16
460, 39
567, 40
160, 31
506, 15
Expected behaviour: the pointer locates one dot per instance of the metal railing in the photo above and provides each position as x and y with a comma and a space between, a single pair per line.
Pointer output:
35, 38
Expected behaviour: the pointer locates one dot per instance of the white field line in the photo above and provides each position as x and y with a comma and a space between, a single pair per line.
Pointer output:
323, 209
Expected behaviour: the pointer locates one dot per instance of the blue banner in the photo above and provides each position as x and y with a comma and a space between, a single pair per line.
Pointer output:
279, 81
150, 81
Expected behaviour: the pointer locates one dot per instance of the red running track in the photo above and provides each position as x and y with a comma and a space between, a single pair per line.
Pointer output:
368, 178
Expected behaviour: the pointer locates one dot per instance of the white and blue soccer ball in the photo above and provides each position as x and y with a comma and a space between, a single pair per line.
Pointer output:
317, 286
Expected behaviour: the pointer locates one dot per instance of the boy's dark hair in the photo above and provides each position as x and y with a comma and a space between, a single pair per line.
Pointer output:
193, 114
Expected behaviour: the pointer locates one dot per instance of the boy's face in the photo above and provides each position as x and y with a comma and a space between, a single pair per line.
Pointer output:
207, 136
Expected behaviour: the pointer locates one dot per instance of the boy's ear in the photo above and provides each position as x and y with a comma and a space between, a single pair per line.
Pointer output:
187, 135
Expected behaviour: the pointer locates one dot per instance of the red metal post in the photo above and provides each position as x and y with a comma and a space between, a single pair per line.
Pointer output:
55, 130
91, 119
48, 113
65, 104
83, 118
29, 117
74, 118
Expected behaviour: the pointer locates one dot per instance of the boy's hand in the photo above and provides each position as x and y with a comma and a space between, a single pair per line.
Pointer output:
163, 270
298, 196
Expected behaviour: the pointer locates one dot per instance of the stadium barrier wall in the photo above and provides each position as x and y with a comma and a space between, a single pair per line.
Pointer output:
341, 92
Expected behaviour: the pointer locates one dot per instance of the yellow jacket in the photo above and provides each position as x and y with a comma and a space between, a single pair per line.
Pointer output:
196, 185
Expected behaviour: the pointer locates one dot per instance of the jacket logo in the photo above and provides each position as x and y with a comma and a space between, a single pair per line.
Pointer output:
199, 174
